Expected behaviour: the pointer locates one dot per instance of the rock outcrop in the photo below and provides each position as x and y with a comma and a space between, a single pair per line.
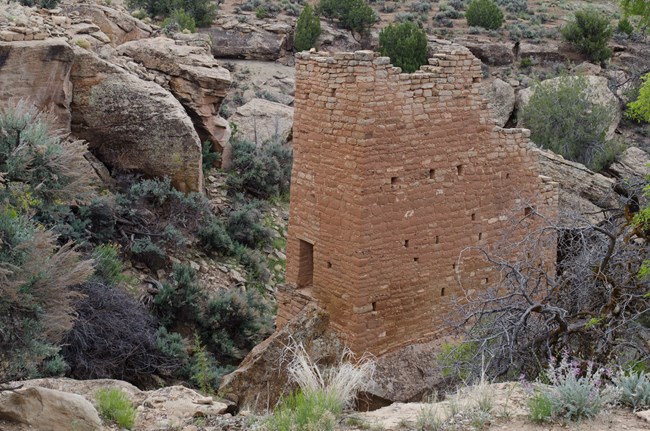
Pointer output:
118, 25
39, 73
490, 53
133, 125
48, 409
501, 99
631, 165
583, 193
262, 377
260, 120
194, 77
597, 91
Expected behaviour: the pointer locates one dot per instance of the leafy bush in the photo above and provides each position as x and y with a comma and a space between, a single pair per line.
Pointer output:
354, 15
263, 172
638, 8
315, 411
405, 44
202, 11
210, 157
115, 406
233, 322
145, 251
540, 407
639, 109
108, 266
114, 337
307, 29
634, 389
514, 6
254, 263
625, 26
484, 13
179, 20
47, 4
178, 302
244, 226
215, 238
590, 32
562, 119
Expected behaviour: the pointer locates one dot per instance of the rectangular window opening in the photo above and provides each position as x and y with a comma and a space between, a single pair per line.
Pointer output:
305, 264
473, 216
432, 174
442, 292
437, 239
406, 243
394, 181
480, 236
416, 259
459, 170
374, 306
528, 211
329, 264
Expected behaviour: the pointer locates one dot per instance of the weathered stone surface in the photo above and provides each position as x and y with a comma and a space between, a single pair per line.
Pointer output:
491, 53
597, 92
118, 25
632, 164
333, 39
583, 193
260, 120
179, 403
541, 53
194, 77
133, 125
39, 73
262, 378
48, 409
232, 39
501, 99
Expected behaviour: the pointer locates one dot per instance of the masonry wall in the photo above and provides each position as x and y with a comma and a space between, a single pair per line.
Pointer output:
394, 174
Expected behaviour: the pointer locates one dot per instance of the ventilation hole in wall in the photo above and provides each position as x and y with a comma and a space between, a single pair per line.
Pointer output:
437, 239
442, 292
333, 92
416, 259
507, 176
529, 256
476, 79
374, 306
329, 264
406, 243
459, 170
473, 216
394, 181
528, 211
480, 236
453, 266
432, 174
487, 280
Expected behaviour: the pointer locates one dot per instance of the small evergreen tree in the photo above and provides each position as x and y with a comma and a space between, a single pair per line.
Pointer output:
638, 8
484, 13
590, 32
354, 15
405, 44
307, 29
640, 109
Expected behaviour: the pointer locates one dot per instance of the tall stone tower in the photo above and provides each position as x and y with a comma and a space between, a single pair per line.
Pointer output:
394, 174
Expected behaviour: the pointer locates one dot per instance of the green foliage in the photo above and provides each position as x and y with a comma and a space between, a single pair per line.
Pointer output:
115, 406
455, 360
108, 265
312, 411
261, 13
562, 118
203, 12
638, 8
639, 109
244, 226
634, 389
405, 44
590, 32
215, 239
484, 13
145, 251
47, 4
540, 407
178, 302
354, 15
203, 367
233, 322
210, 157
179, 20
263, 172
625, 26
171, 345
307, 29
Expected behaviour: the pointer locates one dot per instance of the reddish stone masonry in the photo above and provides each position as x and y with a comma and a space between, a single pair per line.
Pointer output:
394, 174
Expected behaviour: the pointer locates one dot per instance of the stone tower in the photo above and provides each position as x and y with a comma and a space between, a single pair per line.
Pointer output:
394, 174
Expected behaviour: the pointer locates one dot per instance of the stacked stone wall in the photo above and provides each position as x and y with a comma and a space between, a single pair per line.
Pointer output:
394, 175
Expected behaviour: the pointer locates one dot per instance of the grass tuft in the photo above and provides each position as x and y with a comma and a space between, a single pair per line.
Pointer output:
115, 406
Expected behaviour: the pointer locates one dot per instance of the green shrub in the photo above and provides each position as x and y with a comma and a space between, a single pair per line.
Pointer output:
634, 389
484, 13
244, 226
215, 238
315, 411
115, 406
178, 302
639, 109
145, 251
405, 44
210, 157
261, 13
108, 265
354, 15
514, 6
638, 8
562, 118
47, 4
590, 32
625, 26
179, 20
540, 407
202, 11
307, 29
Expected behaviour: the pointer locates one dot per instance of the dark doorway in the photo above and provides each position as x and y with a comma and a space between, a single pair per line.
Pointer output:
305, 264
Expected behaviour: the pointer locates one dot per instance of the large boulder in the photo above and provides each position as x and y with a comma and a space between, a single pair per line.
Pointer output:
501, 99
490, 53
132, 124
118, 25
598, 92
540, 53
260, 120
250, 41
583, 193
49, 409
262, 376
332, 39
39, 73
194, 77
631, 165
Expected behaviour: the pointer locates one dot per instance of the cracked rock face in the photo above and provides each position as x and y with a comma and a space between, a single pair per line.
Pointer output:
132, 124
193, 76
